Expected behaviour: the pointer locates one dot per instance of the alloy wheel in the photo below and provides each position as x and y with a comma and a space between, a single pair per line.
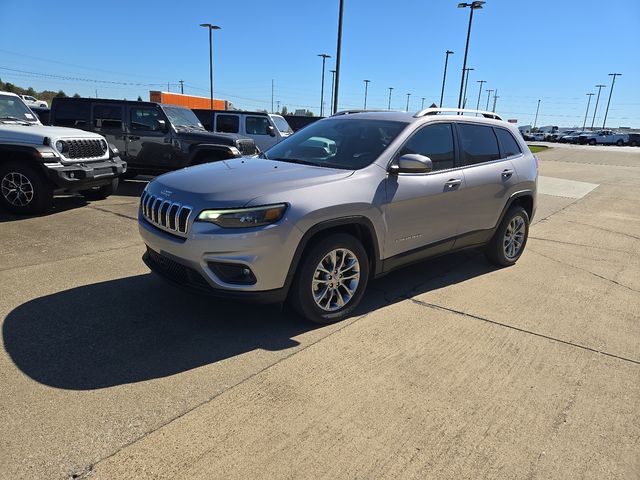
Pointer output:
17, 189
514, 237
335, 279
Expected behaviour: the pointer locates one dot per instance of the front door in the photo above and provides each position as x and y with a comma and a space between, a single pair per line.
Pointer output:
424, 209
147, 145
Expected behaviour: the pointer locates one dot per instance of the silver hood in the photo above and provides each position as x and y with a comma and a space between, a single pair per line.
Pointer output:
235, 182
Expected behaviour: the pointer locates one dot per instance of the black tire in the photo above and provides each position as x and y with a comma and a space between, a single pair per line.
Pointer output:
633, 143
592, 142
36, 196
100, 193
301, 295
619, 143
495, 251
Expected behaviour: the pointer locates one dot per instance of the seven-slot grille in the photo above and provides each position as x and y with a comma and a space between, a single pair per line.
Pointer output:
85, 148
165, 214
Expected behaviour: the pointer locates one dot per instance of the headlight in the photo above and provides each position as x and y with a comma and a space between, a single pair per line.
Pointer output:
61, 146
244, 217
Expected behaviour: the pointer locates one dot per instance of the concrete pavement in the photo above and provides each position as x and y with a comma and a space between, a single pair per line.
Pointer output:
453, 369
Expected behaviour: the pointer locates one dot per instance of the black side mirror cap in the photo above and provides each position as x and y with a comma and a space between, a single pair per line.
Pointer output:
271, 131
161, 125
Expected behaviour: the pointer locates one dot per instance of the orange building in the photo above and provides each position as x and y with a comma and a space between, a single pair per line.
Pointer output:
189, 101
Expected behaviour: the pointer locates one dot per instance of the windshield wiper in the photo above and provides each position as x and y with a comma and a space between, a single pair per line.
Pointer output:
293, 160
15, 119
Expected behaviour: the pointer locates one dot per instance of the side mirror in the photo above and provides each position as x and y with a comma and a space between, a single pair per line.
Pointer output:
271, 131
412, 163
161, 126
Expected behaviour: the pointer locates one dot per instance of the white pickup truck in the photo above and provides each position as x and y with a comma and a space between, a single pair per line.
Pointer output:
604, 137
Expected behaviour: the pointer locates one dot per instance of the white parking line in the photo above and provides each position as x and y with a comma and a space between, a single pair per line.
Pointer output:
559, 187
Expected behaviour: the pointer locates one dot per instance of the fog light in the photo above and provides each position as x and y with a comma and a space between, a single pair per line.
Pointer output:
233, 273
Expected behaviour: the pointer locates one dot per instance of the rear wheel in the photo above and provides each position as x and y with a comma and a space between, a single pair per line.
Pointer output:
620, 143
510, 238
331, 279
24, 189
592, 142
100, 193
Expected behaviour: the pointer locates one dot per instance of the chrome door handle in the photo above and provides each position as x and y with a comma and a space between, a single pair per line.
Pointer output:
132, 137
507, 173
454, 182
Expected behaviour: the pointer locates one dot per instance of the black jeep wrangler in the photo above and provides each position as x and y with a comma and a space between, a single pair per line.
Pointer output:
151, 137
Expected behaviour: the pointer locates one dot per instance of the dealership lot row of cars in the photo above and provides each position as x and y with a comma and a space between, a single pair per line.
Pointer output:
586, 137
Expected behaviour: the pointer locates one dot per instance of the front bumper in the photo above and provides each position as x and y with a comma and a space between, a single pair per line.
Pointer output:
268, 252
84, 175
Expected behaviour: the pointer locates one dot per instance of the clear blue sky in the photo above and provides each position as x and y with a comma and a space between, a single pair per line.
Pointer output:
548, 49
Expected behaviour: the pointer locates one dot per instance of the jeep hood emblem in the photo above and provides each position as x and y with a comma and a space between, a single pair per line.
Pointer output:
166, 193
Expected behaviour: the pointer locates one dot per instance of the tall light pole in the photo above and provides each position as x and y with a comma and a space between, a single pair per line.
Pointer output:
613, 82
338, 51
408, 95
422, 106
211, 29
537, 110
466, 82
488, 95
324, 59
481, 82
333, 84
366, 88
587, 112
444, 76
390, 90
495, 100
181, 86
472, 6
599, 87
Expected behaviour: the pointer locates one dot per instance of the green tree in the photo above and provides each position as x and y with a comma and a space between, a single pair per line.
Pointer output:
139, 98
284, 111
76, 95
61, 94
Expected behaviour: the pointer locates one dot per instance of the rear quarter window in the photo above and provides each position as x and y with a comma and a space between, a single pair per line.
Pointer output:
227, 123
71, 114
508, 145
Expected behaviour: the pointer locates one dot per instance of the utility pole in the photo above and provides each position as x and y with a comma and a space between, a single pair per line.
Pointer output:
481, 82
613, 82
333, 84
338, 51
466, 82
168, 89
472, 6
599, 87
272, 95
389, 106
324, 59
584, 124
495, 99
535, 122
366, 88
422, 106
278, 103
444, 77
181, 86
408, 95
488, 95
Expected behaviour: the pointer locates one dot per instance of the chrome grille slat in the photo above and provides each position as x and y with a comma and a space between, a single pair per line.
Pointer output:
165, 214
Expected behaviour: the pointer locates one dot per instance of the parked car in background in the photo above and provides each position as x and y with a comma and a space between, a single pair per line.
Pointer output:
634, 139
604, 137
266, 129
538, 136
571, 138
34, 102
152, 138
37, 161
348, 198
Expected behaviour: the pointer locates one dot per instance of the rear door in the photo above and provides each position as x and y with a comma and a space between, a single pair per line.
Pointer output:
107, 120
425, 208
489, 176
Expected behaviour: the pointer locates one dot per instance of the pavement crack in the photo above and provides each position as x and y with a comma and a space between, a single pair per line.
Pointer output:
523, 330
607, 249
615, 282
605, 229
114, 213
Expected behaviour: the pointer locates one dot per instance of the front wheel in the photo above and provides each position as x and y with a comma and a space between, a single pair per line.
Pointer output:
592, 142
510, 238
23, 189
619, 143
100, 193
331, 279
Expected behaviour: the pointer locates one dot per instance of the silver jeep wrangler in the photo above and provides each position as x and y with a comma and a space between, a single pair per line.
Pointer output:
344, 200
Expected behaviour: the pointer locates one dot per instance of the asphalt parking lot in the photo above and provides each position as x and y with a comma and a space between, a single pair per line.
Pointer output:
452, 369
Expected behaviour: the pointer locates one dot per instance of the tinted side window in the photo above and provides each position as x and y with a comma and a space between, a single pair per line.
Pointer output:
257, 125
479, 143
508, 145
435, 142
144, 118
228, 123
107, 116
71, 114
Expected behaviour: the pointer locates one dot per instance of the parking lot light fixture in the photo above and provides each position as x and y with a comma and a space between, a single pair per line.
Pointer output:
338, 54
333, 84
211, 28
466, 82
390, 90
613, 82
481, 82
366, 88
477, 5
488, 96
324, 59
537, 110
595, 109
444, 76
422, 106
408, 95
584, 125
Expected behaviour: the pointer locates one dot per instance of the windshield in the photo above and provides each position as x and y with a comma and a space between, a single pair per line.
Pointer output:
348, 143
281, 124
12, 108
182, 117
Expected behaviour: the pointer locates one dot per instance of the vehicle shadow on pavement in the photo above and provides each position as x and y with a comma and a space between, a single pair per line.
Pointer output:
140, 328
60, 204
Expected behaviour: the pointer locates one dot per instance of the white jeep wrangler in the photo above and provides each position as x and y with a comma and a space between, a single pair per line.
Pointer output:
37, 161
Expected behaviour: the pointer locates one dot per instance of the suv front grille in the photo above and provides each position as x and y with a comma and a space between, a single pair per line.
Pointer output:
165, 214
85, 148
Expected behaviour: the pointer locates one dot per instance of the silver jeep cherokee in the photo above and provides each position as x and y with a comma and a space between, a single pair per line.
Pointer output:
348, 198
